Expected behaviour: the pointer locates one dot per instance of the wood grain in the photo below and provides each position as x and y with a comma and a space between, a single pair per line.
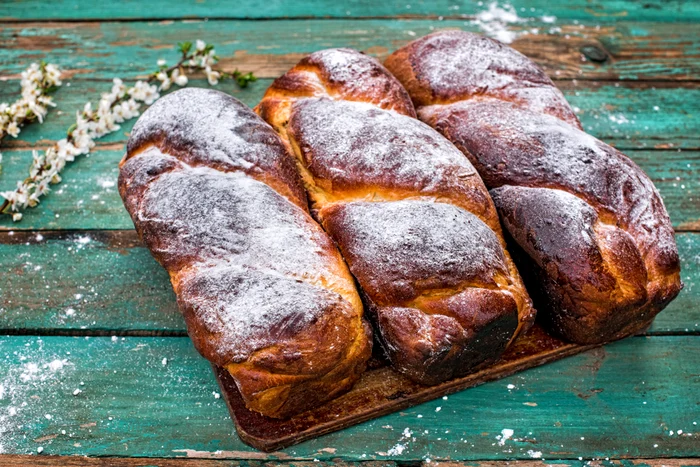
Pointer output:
80, 461
76, 461
590, 406
132, 405
627, 114
124, 291
602, 11
632, 50
87, 198
381, 391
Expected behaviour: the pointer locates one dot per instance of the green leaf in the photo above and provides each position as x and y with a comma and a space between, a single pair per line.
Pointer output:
184, 47
244, 79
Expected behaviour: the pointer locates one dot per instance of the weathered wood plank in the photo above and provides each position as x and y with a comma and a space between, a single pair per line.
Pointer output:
633, 50
75, 461
603, 11
620, 401
88, 198
692, 462
105, 282
627, 114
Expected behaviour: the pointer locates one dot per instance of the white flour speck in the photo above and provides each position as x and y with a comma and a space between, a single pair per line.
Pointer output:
493, 22
506, 434
106, 183
57, 364
396, 450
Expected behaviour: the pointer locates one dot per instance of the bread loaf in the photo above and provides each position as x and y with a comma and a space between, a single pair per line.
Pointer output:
589, 231
409, 213
216, 197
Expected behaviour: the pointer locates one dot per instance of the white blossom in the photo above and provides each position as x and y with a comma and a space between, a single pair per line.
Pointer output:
212, 76
178, 78
12, 129
114, 107
164, 81
35, 82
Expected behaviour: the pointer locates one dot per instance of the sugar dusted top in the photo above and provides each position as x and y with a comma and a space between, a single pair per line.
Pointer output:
207, 127
448, 66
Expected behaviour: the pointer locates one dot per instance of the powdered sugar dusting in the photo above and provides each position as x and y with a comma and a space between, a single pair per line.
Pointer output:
245, 309
515, 146
400, 248
352, 75
245, 219
506, 434
457, 65
355, 145
206, 127
30, 368
251, 250
494, 22
209, 192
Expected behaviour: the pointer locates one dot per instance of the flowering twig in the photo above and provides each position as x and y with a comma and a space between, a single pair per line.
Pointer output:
37, 82
117, 106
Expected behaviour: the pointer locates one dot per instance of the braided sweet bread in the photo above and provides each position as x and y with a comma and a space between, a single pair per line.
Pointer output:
216, 197
409, 213
590, 232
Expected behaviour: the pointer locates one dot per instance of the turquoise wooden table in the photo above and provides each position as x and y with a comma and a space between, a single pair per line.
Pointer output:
94, 356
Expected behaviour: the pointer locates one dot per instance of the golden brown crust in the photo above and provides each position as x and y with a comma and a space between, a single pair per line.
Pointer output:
216, 197
341, 74
411, 216
588, 228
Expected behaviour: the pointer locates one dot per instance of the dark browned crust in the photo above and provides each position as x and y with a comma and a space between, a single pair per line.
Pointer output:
411, 216
588, 229
475, 66
203, 176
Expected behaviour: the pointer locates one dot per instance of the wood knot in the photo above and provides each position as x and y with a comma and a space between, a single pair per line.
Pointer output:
594, 53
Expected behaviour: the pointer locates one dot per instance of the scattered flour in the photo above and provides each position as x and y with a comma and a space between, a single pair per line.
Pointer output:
29, 375
619, 119
402, 445
494, 22
396, 450
534, 454
106, 182
506, 434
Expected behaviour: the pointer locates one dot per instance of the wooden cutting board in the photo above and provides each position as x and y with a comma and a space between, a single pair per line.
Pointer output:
380, 391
